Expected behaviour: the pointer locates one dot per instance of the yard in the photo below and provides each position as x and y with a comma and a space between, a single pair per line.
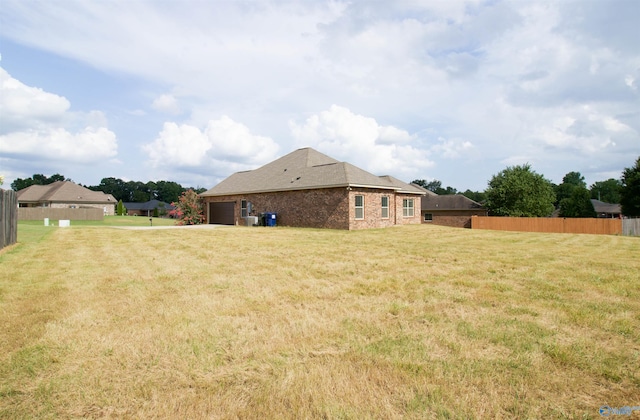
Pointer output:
406, 322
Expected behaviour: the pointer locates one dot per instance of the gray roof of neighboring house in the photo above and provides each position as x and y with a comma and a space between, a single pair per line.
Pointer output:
149, 205
602, 207
449, 202
305, 169
63, 192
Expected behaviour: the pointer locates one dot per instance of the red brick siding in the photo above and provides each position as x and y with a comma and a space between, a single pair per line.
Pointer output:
332, 208
372, 209
453, 218
325, 208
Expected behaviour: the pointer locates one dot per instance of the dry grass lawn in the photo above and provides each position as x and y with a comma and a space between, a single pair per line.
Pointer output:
408, 322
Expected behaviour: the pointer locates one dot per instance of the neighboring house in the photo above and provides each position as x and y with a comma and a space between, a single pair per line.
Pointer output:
606, 210
65, 194
309, 189
146, 209
450, 210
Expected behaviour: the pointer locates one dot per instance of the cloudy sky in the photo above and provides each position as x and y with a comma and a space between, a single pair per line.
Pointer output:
192, 91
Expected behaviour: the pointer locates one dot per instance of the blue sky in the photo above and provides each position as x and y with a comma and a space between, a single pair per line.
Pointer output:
192, 91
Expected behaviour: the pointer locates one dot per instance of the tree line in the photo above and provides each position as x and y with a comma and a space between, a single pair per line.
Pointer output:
127, 191
515, 191
520, 191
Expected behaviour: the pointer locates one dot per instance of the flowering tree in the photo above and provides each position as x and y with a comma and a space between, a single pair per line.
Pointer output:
188, 210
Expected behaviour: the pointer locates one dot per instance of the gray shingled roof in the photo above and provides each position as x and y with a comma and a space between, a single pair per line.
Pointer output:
449, 202
62, 192
305, 169
148, 205
602, 207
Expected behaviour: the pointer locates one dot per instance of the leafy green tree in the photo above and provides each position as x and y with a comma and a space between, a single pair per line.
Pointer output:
435, 186
578, 204
138, 192
121, 210
188, 209
36, 179
570, 181
432, 186
607, 191
114, 186
630, 191
520, 192
168, 191
477, 196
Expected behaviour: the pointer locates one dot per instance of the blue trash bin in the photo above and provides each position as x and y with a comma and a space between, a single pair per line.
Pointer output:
270, 219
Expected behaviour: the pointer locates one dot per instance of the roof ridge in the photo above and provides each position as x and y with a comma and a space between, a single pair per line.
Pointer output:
53, 188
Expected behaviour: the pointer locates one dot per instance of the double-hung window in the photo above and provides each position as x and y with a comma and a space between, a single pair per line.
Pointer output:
385, 207
243, 208
359, 206
407, 207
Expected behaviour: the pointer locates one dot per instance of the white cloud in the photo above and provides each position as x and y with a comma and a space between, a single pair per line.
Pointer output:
38, 125
221, 148
166, 103
361, 141
460, 82
452, 148
86, 146
23, 106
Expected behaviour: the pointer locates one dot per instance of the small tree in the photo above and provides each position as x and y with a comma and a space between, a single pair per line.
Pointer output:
121, 210
630, 190
570, 182
188, 210
520, 192
578, 204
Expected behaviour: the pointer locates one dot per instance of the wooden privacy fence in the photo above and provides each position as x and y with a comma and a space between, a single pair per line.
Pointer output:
549, 224
8, 218
40, 213
631, 227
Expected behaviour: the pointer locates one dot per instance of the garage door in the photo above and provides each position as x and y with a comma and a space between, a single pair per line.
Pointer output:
221, 213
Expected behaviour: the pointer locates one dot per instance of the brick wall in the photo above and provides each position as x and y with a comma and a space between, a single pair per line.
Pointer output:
332, 208
325, 208
453, 218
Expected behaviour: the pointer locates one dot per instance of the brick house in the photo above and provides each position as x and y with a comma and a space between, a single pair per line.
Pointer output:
147, 208
450, 210
65, 195
309, 189
607, 210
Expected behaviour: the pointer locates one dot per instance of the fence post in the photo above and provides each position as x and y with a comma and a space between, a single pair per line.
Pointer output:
8, 218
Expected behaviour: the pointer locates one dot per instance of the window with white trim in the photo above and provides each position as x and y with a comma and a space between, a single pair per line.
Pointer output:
359, 206
243, 208
385, 207
407, 207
